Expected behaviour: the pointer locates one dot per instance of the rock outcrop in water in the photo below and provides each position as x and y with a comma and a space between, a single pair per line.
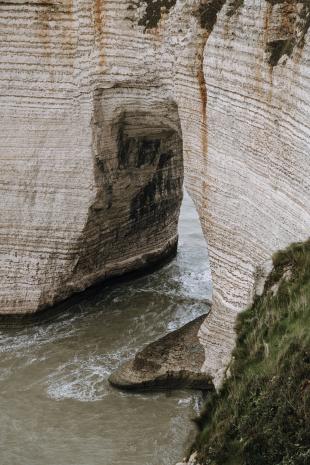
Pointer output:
98, 98
172, 362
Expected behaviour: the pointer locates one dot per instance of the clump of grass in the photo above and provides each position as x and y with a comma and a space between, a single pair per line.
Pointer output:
261, 416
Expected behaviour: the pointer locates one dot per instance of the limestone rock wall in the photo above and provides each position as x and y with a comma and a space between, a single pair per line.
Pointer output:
91, 151
257, 192
98, 98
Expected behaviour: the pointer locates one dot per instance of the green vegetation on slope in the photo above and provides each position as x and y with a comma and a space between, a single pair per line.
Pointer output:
261, 415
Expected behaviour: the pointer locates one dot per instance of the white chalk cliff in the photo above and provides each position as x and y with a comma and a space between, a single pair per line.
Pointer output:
98, 100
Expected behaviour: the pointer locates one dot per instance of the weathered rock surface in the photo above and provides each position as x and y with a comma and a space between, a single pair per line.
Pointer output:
171, 362
97, 99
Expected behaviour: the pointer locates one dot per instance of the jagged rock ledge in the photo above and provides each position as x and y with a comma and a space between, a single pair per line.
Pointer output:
172, 362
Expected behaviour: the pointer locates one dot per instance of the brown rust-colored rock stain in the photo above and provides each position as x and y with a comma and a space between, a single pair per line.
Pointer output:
99, 24
203, 100
46, 14
43, 19
267, 20
206, 14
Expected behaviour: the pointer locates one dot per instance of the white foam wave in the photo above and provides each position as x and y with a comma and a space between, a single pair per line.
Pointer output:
84, 379
181, 317
36, 336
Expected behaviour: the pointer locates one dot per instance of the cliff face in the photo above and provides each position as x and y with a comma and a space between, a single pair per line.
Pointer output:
98, 98
256, 199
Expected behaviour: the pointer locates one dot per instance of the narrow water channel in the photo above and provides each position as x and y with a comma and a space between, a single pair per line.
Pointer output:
56, 406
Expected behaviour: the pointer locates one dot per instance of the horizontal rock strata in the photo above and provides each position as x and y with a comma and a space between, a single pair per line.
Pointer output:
171, 362
98, 98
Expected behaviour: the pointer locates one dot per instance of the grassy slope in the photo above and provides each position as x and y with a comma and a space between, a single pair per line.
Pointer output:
261, 415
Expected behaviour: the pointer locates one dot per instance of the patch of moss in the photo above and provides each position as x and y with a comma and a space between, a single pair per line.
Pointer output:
278, 48
305, 16
261, 416
207, 13
234, 7
153, 12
